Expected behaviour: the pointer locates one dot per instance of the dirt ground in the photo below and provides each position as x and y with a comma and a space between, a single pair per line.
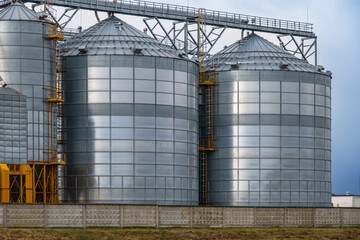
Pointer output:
177, 234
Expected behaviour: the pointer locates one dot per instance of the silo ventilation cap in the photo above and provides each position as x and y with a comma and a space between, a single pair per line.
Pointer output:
319, 68
284, 66
2, 82
119, 26
83, 49
137, 50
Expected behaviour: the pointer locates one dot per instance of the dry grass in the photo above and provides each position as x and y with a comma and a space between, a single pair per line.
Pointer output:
175, 234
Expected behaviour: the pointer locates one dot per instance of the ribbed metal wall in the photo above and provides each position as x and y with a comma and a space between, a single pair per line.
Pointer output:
273, 129
26, 66
131, 124
13, 127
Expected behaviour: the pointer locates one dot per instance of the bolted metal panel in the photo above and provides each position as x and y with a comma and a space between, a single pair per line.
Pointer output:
65, 215
136, 216
131, 125
272, 128
26, 66
13, 127
20, 215
102, 216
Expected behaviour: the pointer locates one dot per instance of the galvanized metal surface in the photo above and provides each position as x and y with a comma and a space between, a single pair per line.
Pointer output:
18, 12
115, 37
21, 215
26, 66
256, 53
184, 13
13, 127
273, 130
131, 123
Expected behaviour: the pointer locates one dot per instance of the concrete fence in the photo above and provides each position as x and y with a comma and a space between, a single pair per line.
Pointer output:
88, 215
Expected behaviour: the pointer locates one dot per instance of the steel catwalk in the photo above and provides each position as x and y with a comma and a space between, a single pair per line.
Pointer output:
13, 127
26, 66
273, 125
131, 116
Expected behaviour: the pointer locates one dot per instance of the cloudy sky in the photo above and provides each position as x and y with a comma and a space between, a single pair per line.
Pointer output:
336, 23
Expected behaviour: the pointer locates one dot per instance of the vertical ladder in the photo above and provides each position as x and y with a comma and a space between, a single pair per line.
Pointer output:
207, 82
45, 173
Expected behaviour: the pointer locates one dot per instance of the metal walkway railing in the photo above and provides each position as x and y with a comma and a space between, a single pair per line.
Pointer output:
184, 13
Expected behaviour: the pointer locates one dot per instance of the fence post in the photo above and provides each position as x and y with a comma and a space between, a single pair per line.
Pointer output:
341, 217
191, 217
255, 221
45, 216
156, 216
4, 215
121, 216
223, 220
314, 216
84, 215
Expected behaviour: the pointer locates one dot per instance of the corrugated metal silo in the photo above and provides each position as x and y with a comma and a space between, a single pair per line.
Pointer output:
26, 66
131, 119
13, 127
272, 121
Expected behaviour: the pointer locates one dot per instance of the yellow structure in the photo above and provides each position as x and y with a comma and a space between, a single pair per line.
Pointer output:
4, 183
206, 80
16, 183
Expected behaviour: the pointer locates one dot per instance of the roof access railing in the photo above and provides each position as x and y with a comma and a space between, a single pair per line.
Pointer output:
188, 14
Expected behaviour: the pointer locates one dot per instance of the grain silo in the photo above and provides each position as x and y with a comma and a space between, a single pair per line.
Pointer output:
26, 60
272, 121
13, 126
131, 119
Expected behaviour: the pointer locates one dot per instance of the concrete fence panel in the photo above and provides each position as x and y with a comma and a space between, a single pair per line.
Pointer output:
140, 216
299, 217
2, 222
102, 216
174, 217
327, 217
239, 217
65, 215
25, 215
111, 215
207, 216
351, 217
269, 217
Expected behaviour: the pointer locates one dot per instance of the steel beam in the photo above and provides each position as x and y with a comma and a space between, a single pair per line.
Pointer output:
189, 14
299, 47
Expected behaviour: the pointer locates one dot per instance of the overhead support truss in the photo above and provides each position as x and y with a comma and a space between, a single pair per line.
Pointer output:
304, 48
183, 36
184, 14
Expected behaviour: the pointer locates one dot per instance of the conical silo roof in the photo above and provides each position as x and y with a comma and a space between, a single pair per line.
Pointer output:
256, 53
18, 12
113, 36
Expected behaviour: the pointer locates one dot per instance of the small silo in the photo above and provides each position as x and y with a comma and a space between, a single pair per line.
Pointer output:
131, 119
26, 61
13, 127
272, 121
